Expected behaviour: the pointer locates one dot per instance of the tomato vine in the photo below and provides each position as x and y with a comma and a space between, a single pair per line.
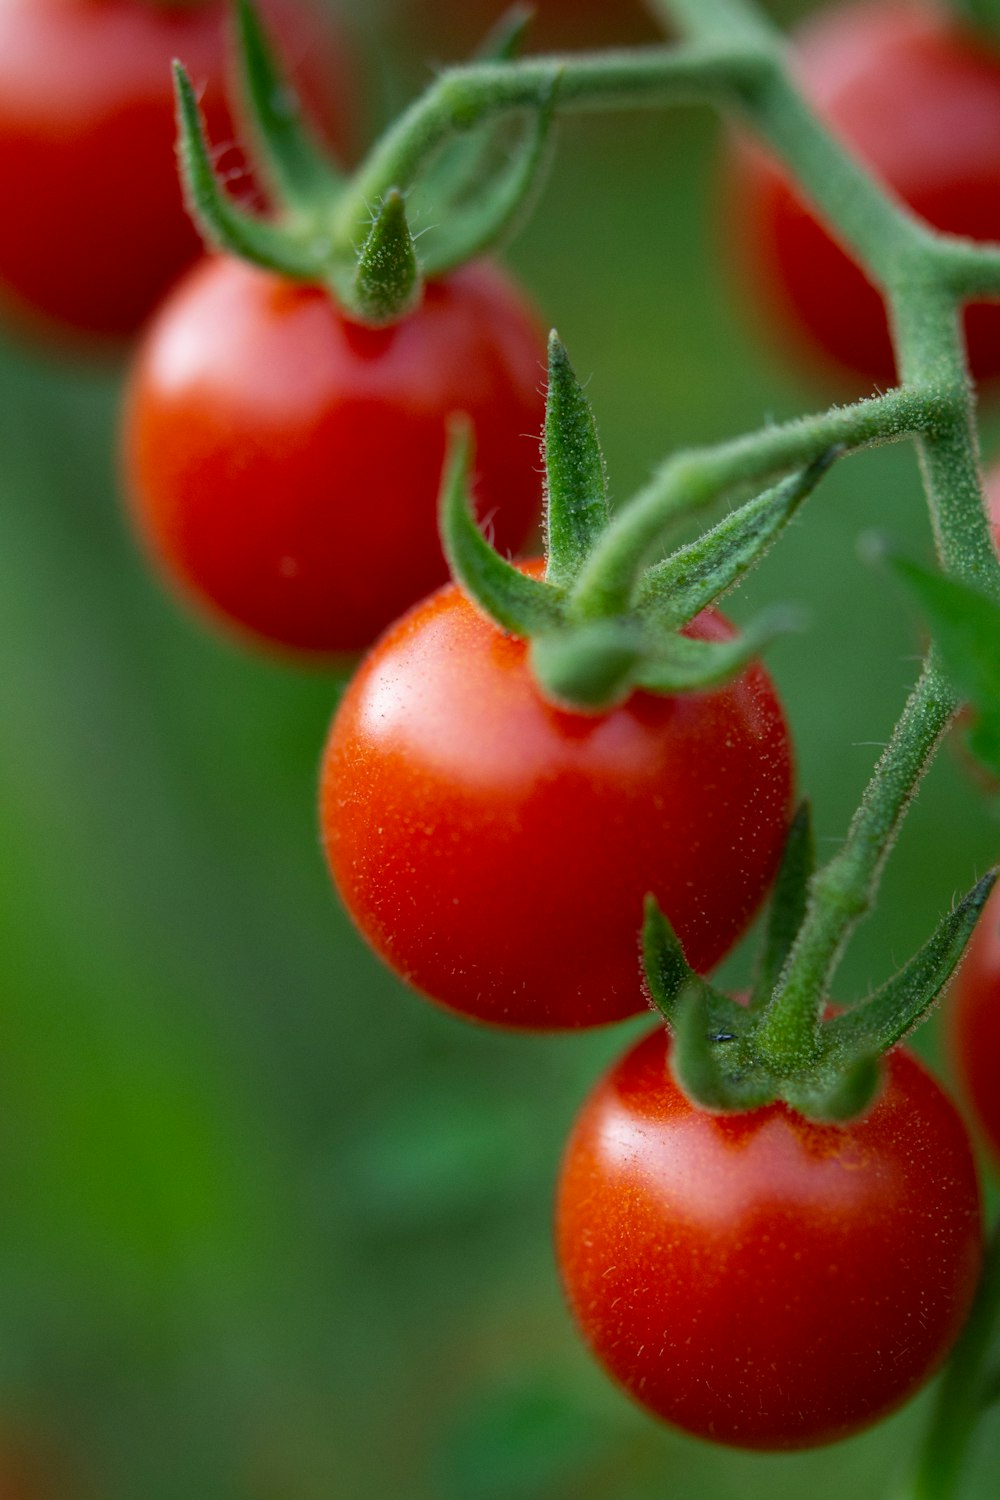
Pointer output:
609, 617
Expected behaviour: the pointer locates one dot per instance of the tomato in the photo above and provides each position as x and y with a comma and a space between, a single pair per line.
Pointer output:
917, 98
993, 501
496, 850
87, 155
975, 1022
284, 464
757, 1279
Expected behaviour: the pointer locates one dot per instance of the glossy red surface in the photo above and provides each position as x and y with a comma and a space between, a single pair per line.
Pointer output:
759, 1280
95, 229
917, 98
974, 1006
284, 464
496, 850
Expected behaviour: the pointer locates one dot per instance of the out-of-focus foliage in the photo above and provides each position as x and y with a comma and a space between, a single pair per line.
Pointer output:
273, 1228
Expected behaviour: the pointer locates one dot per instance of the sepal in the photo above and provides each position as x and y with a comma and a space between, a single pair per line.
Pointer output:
899, 1005
676, 589
576, 479
300, 256
387, 281
294, 163
703, 1063
505, 39
838, 1095
685, 664
588, 667
520, 603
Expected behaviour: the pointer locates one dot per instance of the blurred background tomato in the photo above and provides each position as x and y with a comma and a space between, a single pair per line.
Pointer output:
274, 1229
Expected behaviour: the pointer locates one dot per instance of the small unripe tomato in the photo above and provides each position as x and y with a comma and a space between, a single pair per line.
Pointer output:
759, 1280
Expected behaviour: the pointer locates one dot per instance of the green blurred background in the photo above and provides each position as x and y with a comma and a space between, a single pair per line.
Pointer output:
274, 1228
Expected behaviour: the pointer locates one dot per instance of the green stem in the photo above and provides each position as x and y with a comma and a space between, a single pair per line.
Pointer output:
698, 477
963, 1393
844, 890
465, 97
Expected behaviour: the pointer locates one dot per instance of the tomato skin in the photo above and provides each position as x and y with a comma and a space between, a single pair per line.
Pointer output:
758, 1280
284, 464
496, 851
975, 1023
87, 153
917, 98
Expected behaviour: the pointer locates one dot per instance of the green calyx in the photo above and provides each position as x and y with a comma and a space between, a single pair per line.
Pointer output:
471, 193
984, 15
729, 1056
590, 647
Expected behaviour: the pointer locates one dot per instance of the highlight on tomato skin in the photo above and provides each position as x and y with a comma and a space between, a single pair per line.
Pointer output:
87, 147
496, 851
917, 97
758, 1280
283, 464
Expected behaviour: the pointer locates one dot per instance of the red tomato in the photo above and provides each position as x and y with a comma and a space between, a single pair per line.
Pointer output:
95, 229
284, 463
759, 1280
993, 501
975, 1022
496, 851
917, 98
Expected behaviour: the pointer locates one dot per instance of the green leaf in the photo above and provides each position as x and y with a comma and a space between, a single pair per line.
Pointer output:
965, 624
788, 903
681, 664
486, 205
676, 589
576, 479
222, 224
387, 281
294, 162
519, 603
895, 1009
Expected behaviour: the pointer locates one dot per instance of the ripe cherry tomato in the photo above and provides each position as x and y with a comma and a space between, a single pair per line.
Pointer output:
759, 1280
95, 229
496, 851
975, 1022
917, 97
284, 463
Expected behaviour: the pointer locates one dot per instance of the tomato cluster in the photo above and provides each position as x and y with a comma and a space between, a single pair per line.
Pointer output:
753, 1278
